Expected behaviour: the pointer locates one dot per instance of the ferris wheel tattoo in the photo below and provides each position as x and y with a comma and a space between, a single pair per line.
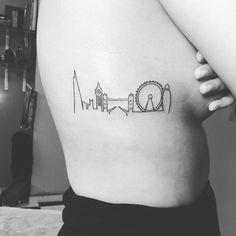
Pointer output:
150, 96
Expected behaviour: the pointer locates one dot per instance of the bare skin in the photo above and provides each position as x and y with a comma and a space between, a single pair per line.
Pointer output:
217, 45
149, 158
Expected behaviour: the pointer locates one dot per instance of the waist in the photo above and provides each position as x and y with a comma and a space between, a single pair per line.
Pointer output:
156, 163
74, 201
93, 216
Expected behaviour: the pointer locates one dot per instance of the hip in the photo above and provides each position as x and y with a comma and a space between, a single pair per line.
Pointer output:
90, 216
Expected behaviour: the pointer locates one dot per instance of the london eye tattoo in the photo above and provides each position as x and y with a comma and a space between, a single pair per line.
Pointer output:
150, 96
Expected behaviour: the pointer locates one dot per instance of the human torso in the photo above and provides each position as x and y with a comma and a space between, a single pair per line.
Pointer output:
119, 81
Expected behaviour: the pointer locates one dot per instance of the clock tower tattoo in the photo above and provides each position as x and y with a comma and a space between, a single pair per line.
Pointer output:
150, 96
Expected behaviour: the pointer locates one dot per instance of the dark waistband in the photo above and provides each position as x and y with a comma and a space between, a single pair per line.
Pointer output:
89, 217
83, 204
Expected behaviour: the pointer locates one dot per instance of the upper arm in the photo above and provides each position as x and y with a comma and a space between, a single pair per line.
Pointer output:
211, 27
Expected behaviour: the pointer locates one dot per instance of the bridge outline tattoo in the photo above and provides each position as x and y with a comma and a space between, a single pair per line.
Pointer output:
150, 96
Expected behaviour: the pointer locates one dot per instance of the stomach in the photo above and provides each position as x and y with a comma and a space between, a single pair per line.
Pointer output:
120, 86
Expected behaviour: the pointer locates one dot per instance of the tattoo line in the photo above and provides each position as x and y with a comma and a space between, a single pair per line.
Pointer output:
150, 96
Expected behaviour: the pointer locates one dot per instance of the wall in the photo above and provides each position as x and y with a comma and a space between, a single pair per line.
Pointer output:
222, 142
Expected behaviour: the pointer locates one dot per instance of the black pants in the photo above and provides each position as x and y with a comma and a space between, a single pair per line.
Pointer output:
89, 217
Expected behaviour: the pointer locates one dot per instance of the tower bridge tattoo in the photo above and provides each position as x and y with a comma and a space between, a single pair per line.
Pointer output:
150, 96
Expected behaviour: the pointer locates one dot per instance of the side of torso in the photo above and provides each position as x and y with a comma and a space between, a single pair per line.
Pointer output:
119, 80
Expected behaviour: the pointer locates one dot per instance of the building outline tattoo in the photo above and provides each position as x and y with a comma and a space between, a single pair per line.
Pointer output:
150, 96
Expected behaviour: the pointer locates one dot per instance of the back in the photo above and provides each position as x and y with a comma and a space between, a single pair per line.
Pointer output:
118, 77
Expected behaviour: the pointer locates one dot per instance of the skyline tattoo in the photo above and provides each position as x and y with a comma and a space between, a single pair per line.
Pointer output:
150, 96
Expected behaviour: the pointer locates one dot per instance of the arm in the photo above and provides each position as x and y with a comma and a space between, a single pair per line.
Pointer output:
211, 27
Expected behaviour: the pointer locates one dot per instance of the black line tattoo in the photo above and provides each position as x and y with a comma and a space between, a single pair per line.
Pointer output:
150, 96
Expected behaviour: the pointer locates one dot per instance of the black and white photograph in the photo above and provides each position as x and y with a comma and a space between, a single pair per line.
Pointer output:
117, 118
